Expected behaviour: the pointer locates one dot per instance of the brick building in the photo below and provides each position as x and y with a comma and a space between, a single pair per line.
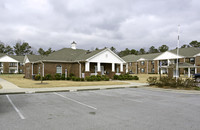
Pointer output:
188, 62
11, 64
79, 62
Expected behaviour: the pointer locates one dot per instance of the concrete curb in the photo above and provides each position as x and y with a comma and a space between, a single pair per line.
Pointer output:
66, 90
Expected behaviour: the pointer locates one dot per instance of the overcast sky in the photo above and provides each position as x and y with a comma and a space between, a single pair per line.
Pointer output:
123, 24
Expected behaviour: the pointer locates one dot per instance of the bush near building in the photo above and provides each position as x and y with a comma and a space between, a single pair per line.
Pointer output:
125, 77
172, 82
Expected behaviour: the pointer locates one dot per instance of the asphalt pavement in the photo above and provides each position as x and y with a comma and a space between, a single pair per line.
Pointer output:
114, 109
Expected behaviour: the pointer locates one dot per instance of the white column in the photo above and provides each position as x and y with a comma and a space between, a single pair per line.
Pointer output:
188, 72
168, 61
87, 66
98, 67
113, 67
17, 68
195, 70
121, 67
32, 68
127, 68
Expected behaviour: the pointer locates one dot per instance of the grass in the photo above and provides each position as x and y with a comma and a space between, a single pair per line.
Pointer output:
18, 80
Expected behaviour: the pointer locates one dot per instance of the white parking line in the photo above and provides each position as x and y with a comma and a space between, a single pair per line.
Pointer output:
75, 101
16, 109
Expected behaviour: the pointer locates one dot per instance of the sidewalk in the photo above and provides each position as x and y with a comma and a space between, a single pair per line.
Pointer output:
9, 88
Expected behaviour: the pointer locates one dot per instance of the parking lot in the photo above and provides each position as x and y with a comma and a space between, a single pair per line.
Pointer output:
130, 108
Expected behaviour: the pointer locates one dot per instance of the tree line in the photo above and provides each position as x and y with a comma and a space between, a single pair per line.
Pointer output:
153, 49
23, 48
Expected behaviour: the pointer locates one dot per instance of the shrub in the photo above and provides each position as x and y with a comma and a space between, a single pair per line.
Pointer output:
125, 77
152, 80
71, 75
116, 77
57, 76
171, 82
63, 77
48, 77
68, 78
37, 77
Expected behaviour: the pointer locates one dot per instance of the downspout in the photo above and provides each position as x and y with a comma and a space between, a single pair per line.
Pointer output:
42, 74
79, 69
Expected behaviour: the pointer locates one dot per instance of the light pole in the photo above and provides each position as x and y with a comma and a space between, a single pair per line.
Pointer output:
177, 54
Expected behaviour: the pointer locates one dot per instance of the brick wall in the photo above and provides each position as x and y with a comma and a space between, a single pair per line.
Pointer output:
6, 67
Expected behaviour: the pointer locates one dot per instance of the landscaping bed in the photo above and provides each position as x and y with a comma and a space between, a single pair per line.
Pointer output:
18, 80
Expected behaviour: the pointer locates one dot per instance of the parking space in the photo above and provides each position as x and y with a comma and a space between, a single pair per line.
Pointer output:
130, 108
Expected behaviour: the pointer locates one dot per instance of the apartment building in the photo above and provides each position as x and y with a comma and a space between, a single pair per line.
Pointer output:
188, 62
11, 64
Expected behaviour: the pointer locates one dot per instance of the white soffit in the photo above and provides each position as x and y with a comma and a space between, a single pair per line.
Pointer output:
141, 59
167, 55
7, 59
106, 56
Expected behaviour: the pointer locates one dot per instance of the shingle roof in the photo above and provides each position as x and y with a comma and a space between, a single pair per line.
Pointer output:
134, 58
68, 54
18, 58
1, 54
33, 58
187, 52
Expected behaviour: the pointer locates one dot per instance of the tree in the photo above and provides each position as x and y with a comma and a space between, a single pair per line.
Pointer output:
41, 51
194, 44
45, 53
113, 49
5, 49
96, 49
185, 46
22, 48
163, 48
152, 49
124, 52
8, 50
133, 51
2, 47
142, 51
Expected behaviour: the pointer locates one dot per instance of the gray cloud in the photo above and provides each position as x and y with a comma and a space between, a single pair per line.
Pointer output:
91, 23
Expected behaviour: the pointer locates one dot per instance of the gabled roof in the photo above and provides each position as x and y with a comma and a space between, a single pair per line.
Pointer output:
187, 52
33, 58
70, 55
18, 58
134, 58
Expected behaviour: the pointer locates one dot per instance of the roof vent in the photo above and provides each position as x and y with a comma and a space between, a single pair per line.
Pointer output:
73, 45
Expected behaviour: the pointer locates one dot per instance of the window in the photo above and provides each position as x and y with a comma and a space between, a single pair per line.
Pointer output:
1, 65
192, 60
152, 62
20, 64
12, 64
142, 70
142, 62
130, 64
59, 69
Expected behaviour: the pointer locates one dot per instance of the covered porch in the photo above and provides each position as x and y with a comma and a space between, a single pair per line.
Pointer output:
188, 69
107, 69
